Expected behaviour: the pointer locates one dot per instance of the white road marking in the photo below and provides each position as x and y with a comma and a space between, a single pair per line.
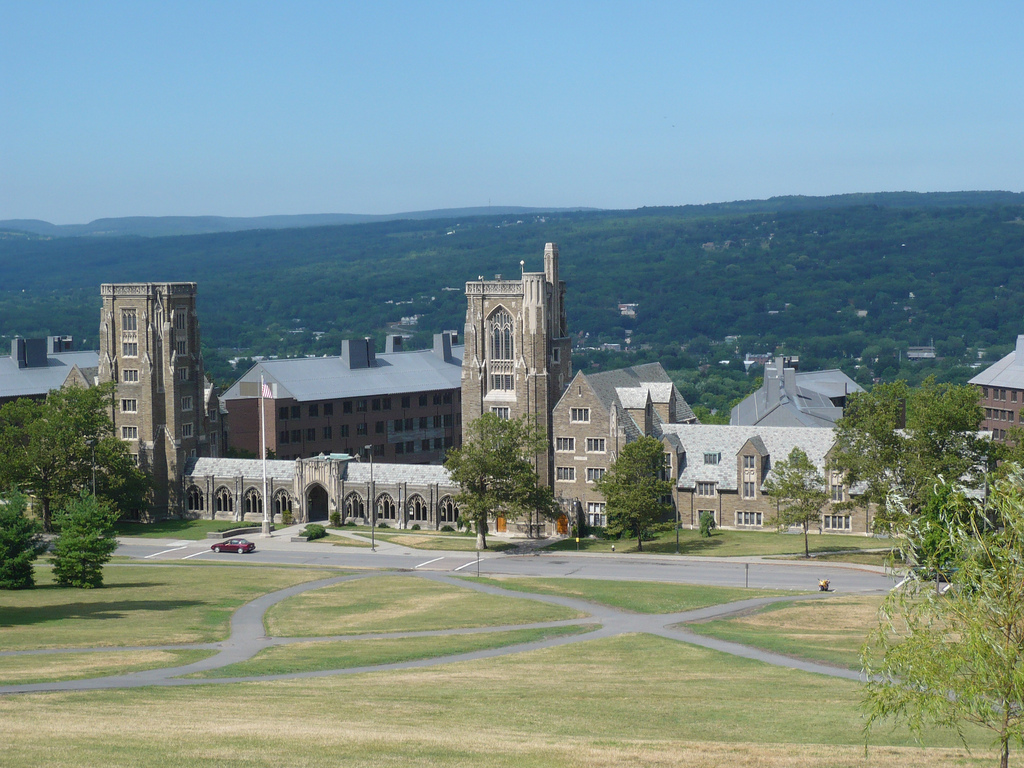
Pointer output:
465, 565
196, 554
430, 561
176, 549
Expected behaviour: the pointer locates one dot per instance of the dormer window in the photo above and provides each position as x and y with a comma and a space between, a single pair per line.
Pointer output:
713, 458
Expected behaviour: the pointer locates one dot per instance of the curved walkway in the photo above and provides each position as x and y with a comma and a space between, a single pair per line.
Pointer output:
247, 638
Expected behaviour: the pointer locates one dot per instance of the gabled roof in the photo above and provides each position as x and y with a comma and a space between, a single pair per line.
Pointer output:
776, 442
789, 398
35, 382
1008, 372
631, 387
351, 472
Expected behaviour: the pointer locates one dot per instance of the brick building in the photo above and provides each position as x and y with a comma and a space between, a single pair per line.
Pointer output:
1002, 392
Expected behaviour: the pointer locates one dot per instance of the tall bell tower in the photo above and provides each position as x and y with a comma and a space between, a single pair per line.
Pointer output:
518, 355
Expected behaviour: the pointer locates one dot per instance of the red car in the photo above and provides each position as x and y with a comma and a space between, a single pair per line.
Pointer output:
234, 545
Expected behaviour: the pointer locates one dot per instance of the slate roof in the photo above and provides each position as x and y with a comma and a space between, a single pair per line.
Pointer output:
327, 378
250, 468
629, 387
698, 439
353, 471
1008, 372
33, 382
809, 405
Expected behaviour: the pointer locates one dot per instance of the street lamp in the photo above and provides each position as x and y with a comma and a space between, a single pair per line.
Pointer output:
91, 442
373, 505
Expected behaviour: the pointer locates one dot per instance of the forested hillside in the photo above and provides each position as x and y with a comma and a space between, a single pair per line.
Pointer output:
833, 282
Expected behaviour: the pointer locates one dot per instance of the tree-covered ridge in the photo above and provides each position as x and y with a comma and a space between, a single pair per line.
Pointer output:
830, 283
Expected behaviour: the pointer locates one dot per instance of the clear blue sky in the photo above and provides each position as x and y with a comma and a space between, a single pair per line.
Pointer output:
250, 108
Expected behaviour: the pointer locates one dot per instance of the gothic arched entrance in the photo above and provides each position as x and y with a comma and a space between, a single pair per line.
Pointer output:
316, 503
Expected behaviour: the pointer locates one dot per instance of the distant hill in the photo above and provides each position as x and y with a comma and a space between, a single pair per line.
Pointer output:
163, 226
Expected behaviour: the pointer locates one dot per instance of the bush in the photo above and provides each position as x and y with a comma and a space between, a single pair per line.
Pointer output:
707, 524
20, 544
286, 517
383, 525
85, 544
415, 527
350, 522
314, 531
447, 529
336, 519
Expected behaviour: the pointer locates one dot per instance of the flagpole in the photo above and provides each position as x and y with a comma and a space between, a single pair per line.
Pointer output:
263, 453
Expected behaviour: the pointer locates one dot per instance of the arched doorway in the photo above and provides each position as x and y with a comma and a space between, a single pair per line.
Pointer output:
562, 525
316, 503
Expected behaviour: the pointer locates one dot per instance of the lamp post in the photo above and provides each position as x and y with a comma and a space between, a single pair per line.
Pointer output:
373, 505
91, 442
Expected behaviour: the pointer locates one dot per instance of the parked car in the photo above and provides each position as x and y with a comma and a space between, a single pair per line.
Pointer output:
234, 545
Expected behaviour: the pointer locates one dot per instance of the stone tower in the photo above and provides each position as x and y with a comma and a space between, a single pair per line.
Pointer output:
518, 355
149, 346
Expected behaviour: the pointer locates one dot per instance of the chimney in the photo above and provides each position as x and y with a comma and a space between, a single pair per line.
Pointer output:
57, 344
353, 354
18, 352
454, 335
393, 343
443, 346
1018, 358
789, 382
371, 352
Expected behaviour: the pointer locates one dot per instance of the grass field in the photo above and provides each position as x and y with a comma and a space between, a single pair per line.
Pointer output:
831, 630
344, 541
725, 544
631, 700
447, 543
138, 605
18, 670
642, 597
190, 530
307, 657
400, 604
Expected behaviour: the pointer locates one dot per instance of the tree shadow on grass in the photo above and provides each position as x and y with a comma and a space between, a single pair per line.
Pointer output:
23, 616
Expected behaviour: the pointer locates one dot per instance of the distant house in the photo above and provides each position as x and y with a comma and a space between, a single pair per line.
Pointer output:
37, 366
921, 353
1002, 392
791, 398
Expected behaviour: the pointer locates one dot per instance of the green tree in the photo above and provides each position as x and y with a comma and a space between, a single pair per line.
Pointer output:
46, 451
939, 439
955, 658
85, 543
20, 543
495, 471
799, 491
634, 489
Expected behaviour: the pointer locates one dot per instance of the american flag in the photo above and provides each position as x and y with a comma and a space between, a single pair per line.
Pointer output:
266, 391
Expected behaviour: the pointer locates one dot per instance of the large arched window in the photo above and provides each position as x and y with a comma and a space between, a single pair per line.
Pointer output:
282, 502
195, 499
354, 506
447, 510
224, 501
252, 503
416, 508
501, 335
386, 508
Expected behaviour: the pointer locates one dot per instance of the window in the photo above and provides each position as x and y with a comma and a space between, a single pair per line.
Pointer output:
181, 346
595, 445
705, 489
501, 381
594, 474
386, 403
344, 430
501, 335
425, 445
837, 492
311, 434
282, 437
565, 473
581, 415
423, 400
410, 446
423, 422
666, 466
596, 515
438, 442
327, 433
555, 355
375, 404
437, 399
361, 406
361, 429
399, 448
437, 421
130, 349
282, 413
406, 401
296, 435
346, 406
186, 429
186, 403
328, 409
129, 405
398, 425
314, 411
565, 443
130, 375
179, 319
129, 433
447, 398
1013, 395
183, 374
379, 427
748, 490
748, 518
748, 462
712, 458
129, 320
296, 411
501, 411
409, 425
836, 522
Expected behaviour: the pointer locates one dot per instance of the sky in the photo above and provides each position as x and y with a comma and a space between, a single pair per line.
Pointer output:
257, 108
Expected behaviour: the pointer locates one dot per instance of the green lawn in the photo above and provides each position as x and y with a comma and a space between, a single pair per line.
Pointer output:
725, 544
633, 700
190, 530
881, 559
307, 657
642, 597
138, 605
447, 543
343, 541
21, 670
831, 630
400, 604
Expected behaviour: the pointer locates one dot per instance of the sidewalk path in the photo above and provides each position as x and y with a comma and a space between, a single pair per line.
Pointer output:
248, 638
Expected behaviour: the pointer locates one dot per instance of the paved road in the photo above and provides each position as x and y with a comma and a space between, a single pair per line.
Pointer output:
713, 571
248, 638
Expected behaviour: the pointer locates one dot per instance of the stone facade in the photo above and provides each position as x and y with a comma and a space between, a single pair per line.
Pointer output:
164, 408
518, 354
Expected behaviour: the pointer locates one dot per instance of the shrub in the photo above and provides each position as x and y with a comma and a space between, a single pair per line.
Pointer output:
415, 527
383, 525
447, 529
85, 544
707, 524
314, 531
336, 519
20, 544
350, 522
286, 517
